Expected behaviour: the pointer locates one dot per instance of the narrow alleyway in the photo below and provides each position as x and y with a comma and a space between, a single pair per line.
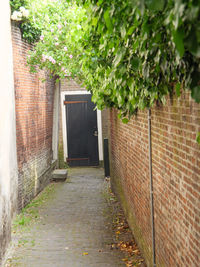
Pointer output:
74, 229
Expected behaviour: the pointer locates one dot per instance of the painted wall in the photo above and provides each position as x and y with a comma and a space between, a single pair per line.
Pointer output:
176, 176
56, 122
8, 159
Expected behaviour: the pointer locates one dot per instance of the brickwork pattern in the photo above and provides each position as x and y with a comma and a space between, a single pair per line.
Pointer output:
34, 119
71, 85
176, 175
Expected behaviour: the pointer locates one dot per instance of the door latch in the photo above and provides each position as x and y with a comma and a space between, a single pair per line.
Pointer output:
95, 133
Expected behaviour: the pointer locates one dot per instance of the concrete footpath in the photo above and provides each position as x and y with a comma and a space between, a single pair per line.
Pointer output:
74, 228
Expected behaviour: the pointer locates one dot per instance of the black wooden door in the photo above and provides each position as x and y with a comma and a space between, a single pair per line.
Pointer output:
82, 134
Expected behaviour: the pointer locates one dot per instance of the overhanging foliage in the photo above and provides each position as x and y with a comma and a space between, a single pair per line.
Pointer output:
137, 52
129, 53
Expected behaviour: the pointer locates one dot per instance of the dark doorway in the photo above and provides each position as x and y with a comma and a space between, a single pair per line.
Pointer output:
82, 133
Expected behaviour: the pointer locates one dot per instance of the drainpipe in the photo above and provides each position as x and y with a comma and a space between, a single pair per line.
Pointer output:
151, 188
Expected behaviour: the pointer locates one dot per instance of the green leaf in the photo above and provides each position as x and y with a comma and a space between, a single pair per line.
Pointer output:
119, 115
198, 138
130, 30
99, 2
196, 93
123, 31
119, 56
125, 120
108, 20
192, 43
94, 21
155, 5
178, 89
178, 40
135, 62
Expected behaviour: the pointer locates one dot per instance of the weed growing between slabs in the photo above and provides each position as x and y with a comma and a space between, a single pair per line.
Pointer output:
24, 221
30, 213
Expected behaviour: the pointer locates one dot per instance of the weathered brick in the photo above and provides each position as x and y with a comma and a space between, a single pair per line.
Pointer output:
176, 179
34, 119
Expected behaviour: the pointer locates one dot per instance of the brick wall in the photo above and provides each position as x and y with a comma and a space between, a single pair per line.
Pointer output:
34, 119
71, 85
176, 177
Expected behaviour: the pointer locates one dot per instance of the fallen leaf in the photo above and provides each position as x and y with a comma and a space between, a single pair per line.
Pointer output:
85, 253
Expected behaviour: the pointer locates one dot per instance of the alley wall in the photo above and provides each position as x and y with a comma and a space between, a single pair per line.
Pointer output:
8, 157
176, 179
34, 122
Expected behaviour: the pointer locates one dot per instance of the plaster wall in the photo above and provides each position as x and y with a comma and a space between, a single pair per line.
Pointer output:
8, 158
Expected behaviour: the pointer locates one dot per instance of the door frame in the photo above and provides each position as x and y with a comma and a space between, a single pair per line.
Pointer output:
64, 124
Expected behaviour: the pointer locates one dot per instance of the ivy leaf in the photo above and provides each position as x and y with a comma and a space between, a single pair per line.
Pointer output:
178, 40
108, 20
196, 93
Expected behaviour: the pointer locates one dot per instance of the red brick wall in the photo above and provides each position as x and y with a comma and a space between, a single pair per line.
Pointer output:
34, 119
71, 85
176, 176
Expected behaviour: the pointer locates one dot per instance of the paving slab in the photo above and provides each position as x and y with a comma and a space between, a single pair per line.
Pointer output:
59, 175
74, 229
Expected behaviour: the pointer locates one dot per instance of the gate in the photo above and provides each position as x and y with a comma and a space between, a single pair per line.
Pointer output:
82, 133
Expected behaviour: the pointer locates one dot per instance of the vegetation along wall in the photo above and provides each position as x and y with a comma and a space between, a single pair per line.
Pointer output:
34, 122
176, 179
132, 55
